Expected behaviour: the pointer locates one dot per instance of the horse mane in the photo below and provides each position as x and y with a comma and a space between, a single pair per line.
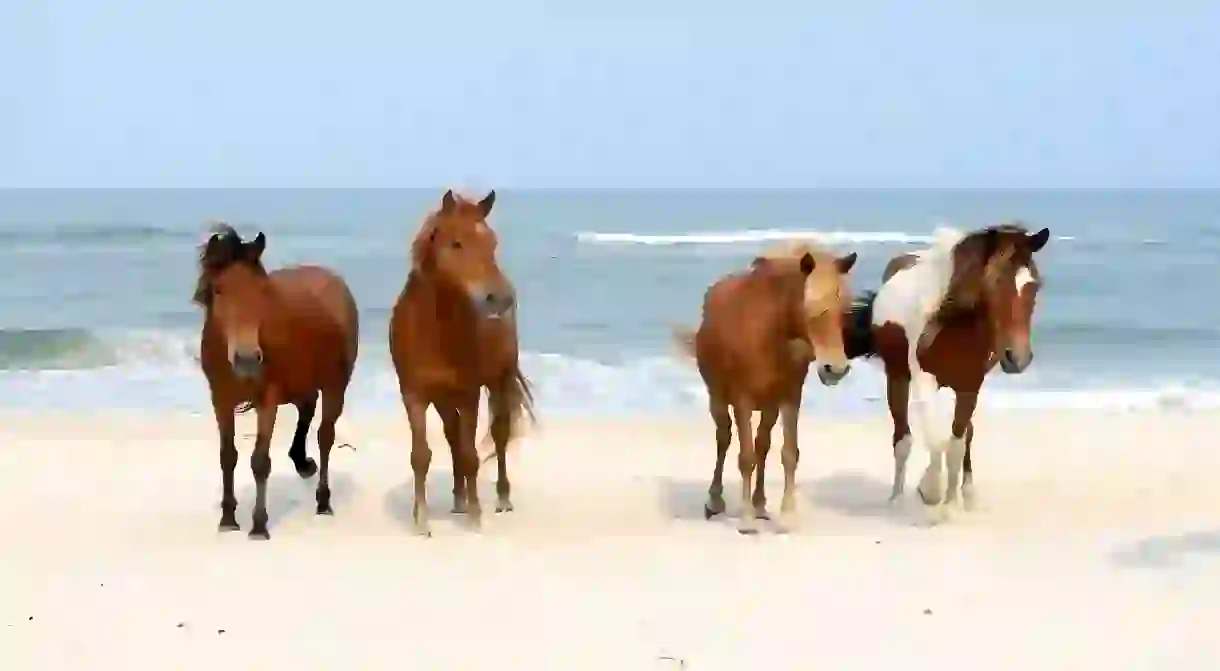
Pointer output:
975, 256
214, 259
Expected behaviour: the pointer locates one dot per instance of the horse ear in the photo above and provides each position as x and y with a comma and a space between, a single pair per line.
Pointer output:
845, 263
807, 263
257, 246
1038, 240
213, 246
448, 202
488, 201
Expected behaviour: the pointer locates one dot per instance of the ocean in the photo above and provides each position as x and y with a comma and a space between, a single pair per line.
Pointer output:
95, 307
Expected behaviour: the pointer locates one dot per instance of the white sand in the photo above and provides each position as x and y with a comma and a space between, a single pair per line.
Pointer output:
1097, 545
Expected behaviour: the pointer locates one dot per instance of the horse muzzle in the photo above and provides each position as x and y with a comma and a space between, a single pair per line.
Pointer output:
1013, 363
831, 375
247, 365
494, 304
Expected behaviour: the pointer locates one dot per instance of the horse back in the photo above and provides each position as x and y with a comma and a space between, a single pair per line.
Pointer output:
321, 301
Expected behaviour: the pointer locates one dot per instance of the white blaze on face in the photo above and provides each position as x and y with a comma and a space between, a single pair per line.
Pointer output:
1023, 277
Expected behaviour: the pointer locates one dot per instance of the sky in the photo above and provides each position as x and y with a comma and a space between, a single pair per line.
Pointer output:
634, 93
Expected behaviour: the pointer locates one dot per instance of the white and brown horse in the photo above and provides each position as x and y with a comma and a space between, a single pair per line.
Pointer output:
941, 320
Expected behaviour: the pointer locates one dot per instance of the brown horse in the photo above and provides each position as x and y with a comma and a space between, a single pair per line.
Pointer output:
744, 349
270, 339
453, 333
942, 319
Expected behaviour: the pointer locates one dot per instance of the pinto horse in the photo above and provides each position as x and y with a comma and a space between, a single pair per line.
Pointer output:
943, 318
753, 346
269, 339
453, 332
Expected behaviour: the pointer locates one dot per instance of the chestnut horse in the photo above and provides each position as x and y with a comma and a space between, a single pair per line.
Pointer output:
268, 339
453, 332
942, 319
744, 349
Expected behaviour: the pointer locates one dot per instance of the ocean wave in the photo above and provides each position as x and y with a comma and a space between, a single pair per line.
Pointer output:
752, 236
78, 234
84, 349
72, 368
755, 236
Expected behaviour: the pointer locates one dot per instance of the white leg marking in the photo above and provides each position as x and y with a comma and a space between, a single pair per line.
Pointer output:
902, 451
957, 450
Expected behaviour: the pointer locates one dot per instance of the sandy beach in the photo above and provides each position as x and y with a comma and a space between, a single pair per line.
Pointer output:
1095, 545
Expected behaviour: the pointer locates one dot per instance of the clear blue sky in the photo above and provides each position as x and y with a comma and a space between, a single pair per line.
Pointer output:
665, 93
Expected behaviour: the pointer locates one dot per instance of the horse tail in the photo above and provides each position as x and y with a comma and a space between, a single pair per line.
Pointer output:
520, 404
684, 338
858, 327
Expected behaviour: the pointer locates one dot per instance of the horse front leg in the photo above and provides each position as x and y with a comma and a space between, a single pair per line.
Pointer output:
762, 447
260, 466
968, 499
963, 412
723, 422
225, 426
897, 393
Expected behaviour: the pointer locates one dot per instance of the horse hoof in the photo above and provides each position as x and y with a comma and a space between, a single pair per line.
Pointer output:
710, 511
228, 525
747, 531
325, 509
259, 535
504, 507
306, 469
762, 514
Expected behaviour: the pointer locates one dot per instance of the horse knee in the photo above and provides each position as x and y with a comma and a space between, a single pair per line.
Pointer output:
421, 458
260, 465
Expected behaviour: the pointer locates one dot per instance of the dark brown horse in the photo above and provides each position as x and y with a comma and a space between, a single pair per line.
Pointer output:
268, 339
453, 333
744, 350
942, 319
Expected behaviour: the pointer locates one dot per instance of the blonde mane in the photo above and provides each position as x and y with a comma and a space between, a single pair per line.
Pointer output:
826, 286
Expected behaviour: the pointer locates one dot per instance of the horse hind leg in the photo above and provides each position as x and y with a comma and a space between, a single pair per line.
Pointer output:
332, 408
724, 435
305, 467
762, 447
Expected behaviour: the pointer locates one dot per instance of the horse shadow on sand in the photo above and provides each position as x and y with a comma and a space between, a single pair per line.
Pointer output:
848, 493
288, 494
1167, 551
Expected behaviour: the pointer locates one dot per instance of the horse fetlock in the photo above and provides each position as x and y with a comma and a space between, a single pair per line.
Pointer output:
258, 528
228, 518
968, 495
305, 466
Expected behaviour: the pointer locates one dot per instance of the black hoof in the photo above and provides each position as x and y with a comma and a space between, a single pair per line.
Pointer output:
228, 525
259, 535
751, 531
307, 468
325, 509
504, 508
708, 513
